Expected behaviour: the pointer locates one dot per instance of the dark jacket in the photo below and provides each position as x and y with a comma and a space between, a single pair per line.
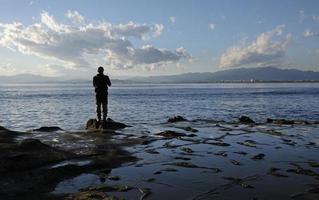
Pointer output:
101, 83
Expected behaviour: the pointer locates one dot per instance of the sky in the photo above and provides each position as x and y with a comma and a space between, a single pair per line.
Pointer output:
151, 37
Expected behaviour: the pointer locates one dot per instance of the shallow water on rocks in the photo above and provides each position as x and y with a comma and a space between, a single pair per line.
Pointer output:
201, 168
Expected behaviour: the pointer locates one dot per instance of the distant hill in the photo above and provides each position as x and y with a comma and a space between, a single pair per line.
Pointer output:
27, 78
31, 78
265, 74
262, 74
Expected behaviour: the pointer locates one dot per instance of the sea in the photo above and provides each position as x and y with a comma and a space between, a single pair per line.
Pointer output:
70, 105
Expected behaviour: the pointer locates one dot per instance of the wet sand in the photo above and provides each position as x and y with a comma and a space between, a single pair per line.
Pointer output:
198, 159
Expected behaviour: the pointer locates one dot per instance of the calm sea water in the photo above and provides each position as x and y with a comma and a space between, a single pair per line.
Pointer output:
28, 106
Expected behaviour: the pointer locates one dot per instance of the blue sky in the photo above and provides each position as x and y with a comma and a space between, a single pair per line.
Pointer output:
128, 38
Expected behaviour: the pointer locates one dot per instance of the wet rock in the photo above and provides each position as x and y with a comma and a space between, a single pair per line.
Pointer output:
241, 152
109, 188
280, 121
157, 172
29, 154
48, 129
258, 156
113, 178
187, 150
171, 134
177, 118
246, 120
109, 124
235, 162
191, 165
303, 171
274, 172
3, 129
221, 144
96, 195
248, 143
190, 129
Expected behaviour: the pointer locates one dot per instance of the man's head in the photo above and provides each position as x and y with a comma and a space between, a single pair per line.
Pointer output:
100, 70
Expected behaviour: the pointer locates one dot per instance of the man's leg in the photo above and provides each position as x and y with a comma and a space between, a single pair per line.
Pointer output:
104, 104
98, 109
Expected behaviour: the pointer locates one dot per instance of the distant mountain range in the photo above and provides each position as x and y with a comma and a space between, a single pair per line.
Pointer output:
265, 74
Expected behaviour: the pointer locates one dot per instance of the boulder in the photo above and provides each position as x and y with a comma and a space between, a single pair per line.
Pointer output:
246, 120
93, 124
177, 118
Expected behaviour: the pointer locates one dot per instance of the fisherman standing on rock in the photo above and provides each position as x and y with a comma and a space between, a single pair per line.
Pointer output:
101, 83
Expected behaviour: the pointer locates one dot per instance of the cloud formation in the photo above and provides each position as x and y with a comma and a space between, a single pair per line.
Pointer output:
74, 45
309, 33
74, 16
268, 49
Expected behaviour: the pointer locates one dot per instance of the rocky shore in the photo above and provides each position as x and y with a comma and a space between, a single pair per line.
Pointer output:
193, 159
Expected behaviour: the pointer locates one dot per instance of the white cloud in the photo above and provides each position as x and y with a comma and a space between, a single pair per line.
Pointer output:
309, 33
75, 16
172, 19
77, 46
266, 50
158, 30
211, 26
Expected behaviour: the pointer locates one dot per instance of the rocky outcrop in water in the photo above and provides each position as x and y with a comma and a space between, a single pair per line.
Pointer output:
30, 169
246, 120
109, 124
177, 118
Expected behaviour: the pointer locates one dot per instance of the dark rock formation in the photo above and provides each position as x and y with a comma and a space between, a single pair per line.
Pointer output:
93, 124
177, 118
48, 129
246, 120
171, 134
30, 169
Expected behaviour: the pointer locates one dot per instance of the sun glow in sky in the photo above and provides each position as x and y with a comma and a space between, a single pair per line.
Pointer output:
146, 37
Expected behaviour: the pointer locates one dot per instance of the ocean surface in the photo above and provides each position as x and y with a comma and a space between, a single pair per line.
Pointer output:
69, 106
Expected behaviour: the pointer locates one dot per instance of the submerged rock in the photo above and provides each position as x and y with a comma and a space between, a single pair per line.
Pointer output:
177, 118
48, 129
246, 120
93, 124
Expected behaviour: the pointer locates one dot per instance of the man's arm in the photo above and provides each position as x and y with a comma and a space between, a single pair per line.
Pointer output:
108, 81
94, 84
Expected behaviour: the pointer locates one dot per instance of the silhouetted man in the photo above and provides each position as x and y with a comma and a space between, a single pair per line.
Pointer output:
101, 83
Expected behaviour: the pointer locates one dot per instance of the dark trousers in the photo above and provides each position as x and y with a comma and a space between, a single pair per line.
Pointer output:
101, 102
